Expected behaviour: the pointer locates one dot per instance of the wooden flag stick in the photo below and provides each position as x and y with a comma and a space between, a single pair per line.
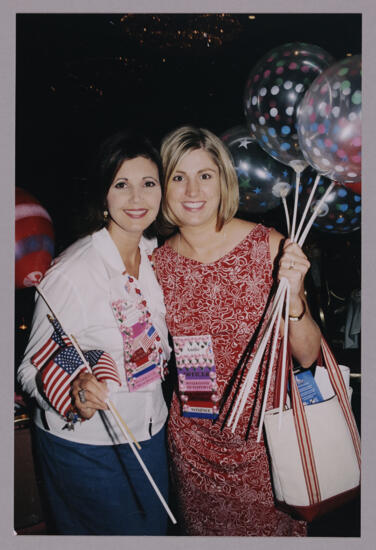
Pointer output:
124, 431
121, 423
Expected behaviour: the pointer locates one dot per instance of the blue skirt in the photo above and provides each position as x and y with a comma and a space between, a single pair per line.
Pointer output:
102, 489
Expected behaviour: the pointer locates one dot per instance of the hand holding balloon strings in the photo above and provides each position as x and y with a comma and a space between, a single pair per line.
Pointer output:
277, 148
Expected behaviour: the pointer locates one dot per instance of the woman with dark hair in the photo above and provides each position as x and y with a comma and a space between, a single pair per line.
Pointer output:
103, 290
217, 273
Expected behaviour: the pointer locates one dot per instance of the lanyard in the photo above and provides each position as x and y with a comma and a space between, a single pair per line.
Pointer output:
143, 354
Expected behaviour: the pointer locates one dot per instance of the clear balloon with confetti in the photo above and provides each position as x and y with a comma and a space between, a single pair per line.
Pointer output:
329, 122
274, 89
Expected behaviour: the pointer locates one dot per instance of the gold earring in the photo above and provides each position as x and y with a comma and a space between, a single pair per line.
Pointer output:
105, 215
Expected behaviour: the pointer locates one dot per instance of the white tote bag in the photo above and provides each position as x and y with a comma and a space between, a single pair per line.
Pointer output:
315, 452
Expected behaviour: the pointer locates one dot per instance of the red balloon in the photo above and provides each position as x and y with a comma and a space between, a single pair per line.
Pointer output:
356, 186
34, 240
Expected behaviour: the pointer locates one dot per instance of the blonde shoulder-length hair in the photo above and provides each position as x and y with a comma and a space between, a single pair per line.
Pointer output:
184, 140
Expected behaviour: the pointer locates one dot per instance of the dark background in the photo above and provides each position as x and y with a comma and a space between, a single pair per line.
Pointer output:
80, 77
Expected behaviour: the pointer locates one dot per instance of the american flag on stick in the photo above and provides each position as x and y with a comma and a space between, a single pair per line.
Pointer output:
63, 368
60, 363
58, 340
57, 376
103, 366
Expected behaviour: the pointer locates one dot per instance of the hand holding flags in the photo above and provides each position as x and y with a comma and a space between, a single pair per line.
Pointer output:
60, 360
57, 376
59, 364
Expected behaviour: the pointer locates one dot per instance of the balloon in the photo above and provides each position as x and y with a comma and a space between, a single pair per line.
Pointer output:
329, 122
34, 240
341, 211
262, 180
274, 88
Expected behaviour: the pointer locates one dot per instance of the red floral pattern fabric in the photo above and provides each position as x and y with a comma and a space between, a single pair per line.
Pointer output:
222, 480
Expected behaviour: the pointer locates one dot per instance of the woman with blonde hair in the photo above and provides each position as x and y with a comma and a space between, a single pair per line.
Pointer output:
216, 272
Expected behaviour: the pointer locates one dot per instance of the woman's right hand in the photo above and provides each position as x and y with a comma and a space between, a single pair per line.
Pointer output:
95, 394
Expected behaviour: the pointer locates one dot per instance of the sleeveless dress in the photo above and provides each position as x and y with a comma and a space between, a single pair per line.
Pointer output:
222, 479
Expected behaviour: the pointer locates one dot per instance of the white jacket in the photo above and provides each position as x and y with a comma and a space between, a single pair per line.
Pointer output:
79, 287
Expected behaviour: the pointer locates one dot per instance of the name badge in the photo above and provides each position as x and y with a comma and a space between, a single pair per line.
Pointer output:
196, 376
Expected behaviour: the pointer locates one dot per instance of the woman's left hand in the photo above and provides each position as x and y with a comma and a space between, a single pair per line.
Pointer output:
293, 265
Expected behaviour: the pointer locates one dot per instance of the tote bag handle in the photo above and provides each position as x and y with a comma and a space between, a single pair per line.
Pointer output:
301, 424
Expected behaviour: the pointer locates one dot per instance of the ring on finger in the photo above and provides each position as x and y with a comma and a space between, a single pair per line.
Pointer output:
81, 395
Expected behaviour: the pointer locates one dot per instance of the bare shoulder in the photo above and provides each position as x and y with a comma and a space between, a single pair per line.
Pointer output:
275, 239
239, 229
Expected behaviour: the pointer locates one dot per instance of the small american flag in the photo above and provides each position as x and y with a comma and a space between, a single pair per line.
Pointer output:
59, 364
58, 340
57, 376
147, 338
102, 365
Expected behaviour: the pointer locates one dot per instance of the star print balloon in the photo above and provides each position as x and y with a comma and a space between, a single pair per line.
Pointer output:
329, 122
341, 211
34, 240
262, 180
273, 91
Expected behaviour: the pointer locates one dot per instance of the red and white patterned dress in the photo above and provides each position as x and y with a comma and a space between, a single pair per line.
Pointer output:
222, 481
